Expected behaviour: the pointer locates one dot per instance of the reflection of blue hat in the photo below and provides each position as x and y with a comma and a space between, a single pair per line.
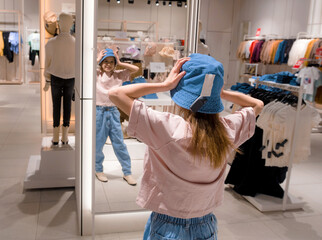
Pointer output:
109, 53
199, 89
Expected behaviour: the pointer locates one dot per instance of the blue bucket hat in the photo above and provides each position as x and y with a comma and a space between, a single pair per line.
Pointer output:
199, 89
109, 53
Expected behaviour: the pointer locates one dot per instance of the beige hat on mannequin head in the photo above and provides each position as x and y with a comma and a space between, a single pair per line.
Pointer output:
65, 22
50, 19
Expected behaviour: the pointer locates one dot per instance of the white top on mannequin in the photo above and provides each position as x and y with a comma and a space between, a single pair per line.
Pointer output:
202, 48
60, 51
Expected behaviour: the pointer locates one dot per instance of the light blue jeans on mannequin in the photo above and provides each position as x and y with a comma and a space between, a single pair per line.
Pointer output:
164, 227
108, 125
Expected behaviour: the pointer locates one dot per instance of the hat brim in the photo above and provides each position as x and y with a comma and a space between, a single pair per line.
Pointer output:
105, 56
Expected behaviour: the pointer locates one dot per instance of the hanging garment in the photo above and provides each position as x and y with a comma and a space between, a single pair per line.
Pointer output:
34, 41
273, 50
277, 121
14, 42
248, 173
1, 44
256, 52
288, 47
247, 48
297, 51
316, 45
279, 52
6, 50
311, 79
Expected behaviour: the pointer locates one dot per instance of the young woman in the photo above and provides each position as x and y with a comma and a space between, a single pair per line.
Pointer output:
183, 177
107, 115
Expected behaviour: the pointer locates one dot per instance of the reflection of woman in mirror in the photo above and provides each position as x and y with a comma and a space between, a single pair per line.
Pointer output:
107, 115
184, 166
60, 75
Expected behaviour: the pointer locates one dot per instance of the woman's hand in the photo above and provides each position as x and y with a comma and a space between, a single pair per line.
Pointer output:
175, 75
116, 52
100, 55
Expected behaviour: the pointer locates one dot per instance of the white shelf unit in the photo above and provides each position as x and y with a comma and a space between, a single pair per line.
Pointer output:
266, 203
18, 29
116, 26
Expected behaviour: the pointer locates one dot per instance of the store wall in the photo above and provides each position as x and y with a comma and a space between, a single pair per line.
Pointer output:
171, 23
224, 18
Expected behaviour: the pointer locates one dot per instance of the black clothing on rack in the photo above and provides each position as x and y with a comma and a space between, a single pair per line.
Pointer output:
248, 172
6, 50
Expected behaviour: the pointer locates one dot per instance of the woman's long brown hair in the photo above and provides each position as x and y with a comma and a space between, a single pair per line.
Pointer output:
209, 136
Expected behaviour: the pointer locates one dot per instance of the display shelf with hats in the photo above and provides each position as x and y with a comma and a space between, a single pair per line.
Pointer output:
11, 67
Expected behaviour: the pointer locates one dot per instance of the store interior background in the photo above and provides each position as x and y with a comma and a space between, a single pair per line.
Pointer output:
224, 24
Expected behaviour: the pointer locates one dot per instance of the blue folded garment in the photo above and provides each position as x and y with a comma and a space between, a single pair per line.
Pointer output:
141, 80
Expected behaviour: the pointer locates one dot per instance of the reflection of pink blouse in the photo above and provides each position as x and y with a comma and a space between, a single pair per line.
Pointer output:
173, 182
105, 83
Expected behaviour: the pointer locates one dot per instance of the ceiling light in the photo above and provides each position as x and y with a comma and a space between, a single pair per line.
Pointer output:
149, 1
157, 2
170, 4
179, 4
185, 4
118, 1
164, 3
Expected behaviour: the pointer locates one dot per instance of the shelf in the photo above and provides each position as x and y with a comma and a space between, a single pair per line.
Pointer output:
13, 82
286, 87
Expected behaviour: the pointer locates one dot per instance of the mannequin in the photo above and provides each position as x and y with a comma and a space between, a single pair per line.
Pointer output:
60, 75
202, 48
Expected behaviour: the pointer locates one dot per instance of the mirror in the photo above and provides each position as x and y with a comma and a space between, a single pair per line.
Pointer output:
150, 37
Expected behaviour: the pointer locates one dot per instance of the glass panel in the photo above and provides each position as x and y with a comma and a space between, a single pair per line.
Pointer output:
152, 38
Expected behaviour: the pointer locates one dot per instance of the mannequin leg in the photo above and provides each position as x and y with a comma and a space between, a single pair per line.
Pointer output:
55, 139
56, 99
67, 104
64, 138
67, 100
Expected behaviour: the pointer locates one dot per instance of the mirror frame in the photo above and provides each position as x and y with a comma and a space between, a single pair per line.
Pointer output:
90, 222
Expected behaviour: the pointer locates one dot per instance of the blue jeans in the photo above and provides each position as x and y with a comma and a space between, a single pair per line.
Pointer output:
164, 227
108, 125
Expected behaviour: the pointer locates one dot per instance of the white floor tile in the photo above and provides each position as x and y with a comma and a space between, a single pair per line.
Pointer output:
23, 137
18, 221
23, 150
59, 194
246, 231
297, 228
57, 220
11, 191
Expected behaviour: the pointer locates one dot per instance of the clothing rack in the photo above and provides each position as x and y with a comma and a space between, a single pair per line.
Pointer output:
20, 78
249, 37
266, 203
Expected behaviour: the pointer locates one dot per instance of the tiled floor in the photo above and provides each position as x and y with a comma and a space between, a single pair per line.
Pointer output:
51, 214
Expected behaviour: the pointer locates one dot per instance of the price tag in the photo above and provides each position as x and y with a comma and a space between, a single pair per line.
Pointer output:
157, 67
318, 52
298, 64
258, 32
